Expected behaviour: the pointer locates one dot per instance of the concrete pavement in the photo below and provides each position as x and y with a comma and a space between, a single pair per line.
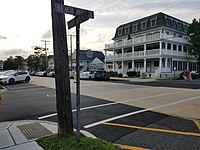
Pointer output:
21, 135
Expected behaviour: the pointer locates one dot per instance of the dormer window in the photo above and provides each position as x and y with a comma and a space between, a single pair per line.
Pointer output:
127, 29
153, 22
89, 54
173, 24
144, 25
120, 31
178, 25
134, 27
185, 28
167, 20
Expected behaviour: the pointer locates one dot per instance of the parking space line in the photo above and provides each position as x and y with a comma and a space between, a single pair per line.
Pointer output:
127, 147
197, 123
84, 108
137, 112
152, 129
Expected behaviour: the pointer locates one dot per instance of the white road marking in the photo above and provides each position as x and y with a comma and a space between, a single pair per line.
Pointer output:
114, 103
137, 112
84, 108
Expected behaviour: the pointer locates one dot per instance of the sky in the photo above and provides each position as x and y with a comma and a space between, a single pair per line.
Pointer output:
25, 23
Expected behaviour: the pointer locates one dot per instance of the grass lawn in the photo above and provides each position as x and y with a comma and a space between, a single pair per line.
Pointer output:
56, 142
1, 86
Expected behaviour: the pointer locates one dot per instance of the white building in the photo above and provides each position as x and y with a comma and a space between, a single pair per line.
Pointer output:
157, 44
1, 64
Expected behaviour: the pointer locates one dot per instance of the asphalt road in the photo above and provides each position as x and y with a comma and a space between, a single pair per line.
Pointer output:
116, 122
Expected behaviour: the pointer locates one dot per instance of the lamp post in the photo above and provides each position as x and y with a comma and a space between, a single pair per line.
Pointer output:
45, 48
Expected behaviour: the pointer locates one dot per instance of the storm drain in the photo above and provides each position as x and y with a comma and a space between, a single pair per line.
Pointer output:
34, 131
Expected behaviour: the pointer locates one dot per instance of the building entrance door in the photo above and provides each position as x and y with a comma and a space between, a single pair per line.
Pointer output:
148, 66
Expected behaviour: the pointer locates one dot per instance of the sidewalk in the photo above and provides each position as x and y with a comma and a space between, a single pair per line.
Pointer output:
21, 135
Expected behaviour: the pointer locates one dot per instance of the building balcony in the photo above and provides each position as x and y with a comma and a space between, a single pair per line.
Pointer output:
139, 54
143, 39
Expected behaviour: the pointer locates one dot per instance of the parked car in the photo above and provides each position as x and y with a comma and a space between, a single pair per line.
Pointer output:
101, 75
87, 75
195, 74
51, 74
41, 73
12, 77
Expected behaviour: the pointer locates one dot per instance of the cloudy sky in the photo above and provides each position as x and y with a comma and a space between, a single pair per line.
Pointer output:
24, 23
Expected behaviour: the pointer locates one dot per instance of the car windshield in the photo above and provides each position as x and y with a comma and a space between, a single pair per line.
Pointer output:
10, 73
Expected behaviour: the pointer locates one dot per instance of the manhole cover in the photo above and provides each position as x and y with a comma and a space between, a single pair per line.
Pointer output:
34, 130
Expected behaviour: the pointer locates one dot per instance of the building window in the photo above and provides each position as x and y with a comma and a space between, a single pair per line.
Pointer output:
153, 22
173, 24
143, 25
184, 48
127, 30
184, 65
185, 28
163, 45
180, 67
167, 20
174, 47
120, 32
180, 48
175, 65
134, 27
178, 25
156, 63
130, 65
169, 46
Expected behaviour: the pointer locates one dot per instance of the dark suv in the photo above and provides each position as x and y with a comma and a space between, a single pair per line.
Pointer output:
101, 75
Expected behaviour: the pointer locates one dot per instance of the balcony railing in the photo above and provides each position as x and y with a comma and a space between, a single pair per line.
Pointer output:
154, 52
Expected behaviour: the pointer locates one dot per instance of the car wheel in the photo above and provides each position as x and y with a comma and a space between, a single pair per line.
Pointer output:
11, 81
27, 79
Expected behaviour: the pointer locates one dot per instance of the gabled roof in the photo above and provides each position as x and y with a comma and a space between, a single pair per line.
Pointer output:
90, 55
162, 20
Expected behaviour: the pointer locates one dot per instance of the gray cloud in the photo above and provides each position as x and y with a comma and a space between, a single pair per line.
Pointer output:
14, 52
47, 34
2, 37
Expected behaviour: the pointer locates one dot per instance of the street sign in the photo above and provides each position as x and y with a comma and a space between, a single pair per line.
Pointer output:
72, 10
78, 19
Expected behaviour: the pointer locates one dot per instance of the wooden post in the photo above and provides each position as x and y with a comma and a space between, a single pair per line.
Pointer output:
62, 79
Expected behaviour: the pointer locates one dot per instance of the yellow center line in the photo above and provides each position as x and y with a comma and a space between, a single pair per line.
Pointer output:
126, 147
153, 129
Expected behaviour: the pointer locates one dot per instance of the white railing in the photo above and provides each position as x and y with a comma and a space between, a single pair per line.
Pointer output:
127, 55
153, 52
136, 40
138, 54
117, 56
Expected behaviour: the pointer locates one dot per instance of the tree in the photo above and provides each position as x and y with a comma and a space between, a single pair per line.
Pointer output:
13, 64
194, 34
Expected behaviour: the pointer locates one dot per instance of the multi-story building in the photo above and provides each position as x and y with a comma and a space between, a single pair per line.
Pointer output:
1, 64
157, 44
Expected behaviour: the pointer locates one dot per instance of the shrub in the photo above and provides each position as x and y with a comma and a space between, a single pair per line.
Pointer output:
113, 74
120, 75
144, 75
131, 74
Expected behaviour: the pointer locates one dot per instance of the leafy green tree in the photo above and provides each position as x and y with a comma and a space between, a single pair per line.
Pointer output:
13, 63
194, 34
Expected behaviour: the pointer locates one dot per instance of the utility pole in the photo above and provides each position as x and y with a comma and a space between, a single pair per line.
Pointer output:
45, 48
71, 35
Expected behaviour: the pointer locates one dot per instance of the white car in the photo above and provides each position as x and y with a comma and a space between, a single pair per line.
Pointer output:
14, 76
87, 75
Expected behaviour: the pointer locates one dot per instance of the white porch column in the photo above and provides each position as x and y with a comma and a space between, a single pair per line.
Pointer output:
123, 53
113, 54
166, 64
187, 65
133, 65
160, 47
122, 67
113, 66
160, 64
145, 65
132, 51
145, 49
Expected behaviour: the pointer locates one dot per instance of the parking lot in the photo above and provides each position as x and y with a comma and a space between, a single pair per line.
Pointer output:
152, 117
